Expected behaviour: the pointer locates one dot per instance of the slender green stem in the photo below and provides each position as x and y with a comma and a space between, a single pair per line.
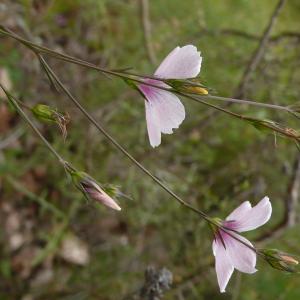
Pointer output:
138, 79
125, 74
284, 131
213, 97
249, 102
16, 105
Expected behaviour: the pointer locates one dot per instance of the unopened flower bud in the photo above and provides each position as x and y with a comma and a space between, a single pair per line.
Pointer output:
46, 113
196, 90
94, 191
280, 260
295, 107
91, 188
43, 112
192, 86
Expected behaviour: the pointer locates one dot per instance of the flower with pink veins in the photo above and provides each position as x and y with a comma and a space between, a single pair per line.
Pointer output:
164, 110
232, 254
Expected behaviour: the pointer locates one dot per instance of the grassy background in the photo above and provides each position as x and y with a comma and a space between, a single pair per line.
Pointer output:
214, 162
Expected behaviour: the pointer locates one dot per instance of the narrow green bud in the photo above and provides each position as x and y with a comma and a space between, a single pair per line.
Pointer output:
280, 260
261, 125
47, 114
43, 112
191, 86
295, 107
271, 126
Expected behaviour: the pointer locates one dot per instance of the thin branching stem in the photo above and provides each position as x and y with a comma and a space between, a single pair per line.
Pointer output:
37, 49
139, 165
114, 142
248, 102
124, 74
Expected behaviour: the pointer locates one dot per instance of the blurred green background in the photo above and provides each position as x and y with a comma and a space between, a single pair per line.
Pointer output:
55, 244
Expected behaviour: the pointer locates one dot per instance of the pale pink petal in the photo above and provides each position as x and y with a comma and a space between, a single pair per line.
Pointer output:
152, 125
224, 267
240, 211
164, 111
181, 63
97, 194
255, 217
108, 201
242, 257
169, 110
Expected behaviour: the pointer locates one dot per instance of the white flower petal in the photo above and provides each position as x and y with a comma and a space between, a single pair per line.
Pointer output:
152, 125
169, 110
224, 267
255, 217
239, 212
242, 257
181, 63
164, 112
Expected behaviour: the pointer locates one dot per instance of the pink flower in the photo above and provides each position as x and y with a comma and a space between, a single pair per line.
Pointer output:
231, 254
164, 111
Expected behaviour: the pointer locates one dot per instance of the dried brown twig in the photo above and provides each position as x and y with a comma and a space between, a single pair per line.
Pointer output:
290, 206
259, 52
251, 36
254, 61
